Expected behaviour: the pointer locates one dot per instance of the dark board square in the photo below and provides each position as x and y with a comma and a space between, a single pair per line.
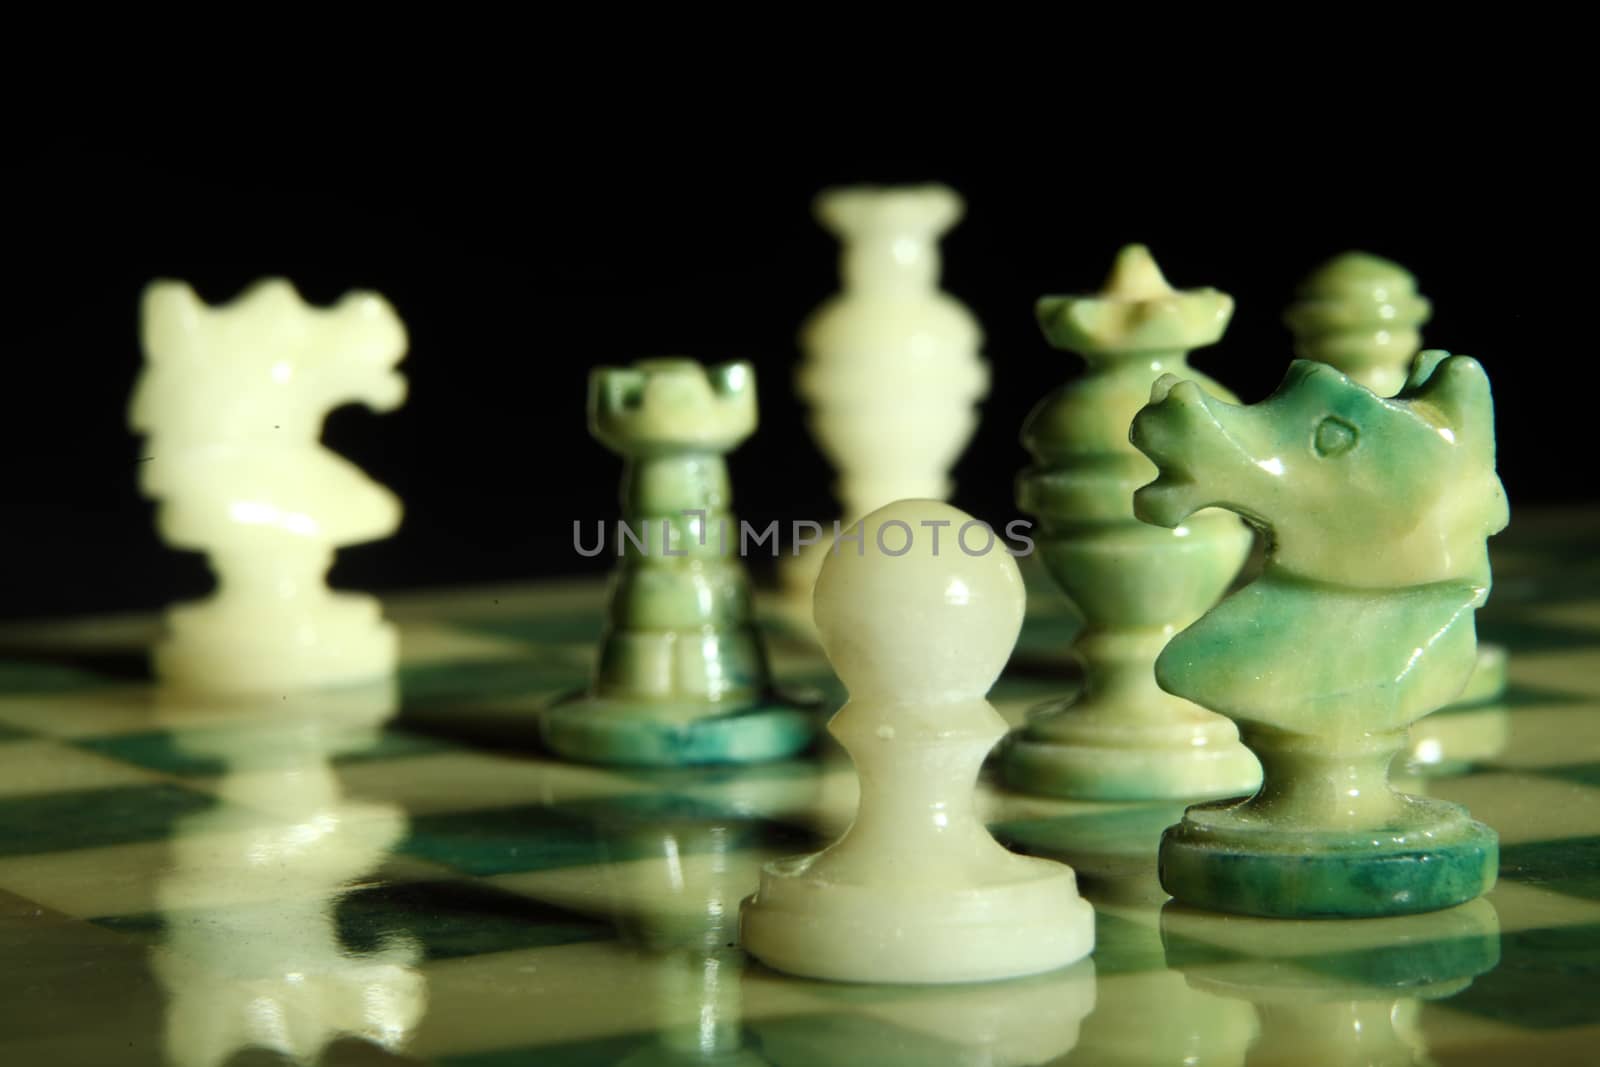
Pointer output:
1521, 695
1527, 635
1134, 830
1407, 965
64, 822
65, 984
563, 628
340, 1051
848, 1040
200, 752
32, 678
1547, 979
394, 744
640, 825
444, 919
1122, 946
853, 1040
595, 1052
450, 919
148, 926
590, 832
1582, 773
504, 840
1570, 866
441, 683
1186, 953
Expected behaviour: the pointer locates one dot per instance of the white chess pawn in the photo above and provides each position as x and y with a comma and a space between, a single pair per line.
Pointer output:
916, 890
891, 371
232, 400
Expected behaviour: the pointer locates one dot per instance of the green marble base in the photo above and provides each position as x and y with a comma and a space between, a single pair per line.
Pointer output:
1222, 858
593, 729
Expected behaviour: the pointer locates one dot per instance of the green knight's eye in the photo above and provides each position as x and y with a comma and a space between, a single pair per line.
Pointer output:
1334, 437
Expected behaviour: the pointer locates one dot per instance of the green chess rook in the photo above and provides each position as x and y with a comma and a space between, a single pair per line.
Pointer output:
1122, 737
682, 676
1360, 623
1362, 314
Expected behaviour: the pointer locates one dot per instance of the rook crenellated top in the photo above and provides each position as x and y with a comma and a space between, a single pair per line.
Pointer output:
668, 405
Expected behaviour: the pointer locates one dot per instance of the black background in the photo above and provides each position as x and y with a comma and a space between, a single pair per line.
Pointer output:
520, 258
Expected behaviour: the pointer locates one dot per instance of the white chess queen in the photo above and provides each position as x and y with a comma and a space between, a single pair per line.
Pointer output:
891, 371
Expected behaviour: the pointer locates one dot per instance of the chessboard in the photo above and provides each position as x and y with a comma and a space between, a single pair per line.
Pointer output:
396, 874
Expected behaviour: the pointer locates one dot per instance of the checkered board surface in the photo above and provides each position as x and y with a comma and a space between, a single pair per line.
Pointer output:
397, 875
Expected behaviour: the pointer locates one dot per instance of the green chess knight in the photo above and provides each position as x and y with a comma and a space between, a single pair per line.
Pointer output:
682, 676
1122, 737
1361, 622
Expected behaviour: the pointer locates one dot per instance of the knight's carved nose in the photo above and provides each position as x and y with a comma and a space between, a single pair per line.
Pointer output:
1162, 386
1175, 414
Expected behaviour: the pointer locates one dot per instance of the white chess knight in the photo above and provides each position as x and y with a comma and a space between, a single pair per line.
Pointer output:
891, 370
232, 401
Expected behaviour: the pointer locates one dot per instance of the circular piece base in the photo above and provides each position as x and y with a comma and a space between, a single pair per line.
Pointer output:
854, 933
1091, 772
593, 729
225, 659
1440, 857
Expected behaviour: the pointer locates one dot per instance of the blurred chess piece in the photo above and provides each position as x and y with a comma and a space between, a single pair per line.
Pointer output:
1362, 314
1113, 849
1122, 737
1335, 991
252, 957
232, 401
1154, 1014
676, 904
1450, 742
682, 674
1016, 1023
678, 860
891, 366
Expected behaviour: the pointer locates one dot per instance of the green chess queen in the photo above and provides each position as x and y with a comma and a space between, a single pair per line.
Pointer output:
1121, 737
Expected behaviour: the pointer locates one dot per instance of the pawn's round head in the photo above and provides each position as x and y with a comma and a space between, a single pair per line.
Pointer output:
927, 607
